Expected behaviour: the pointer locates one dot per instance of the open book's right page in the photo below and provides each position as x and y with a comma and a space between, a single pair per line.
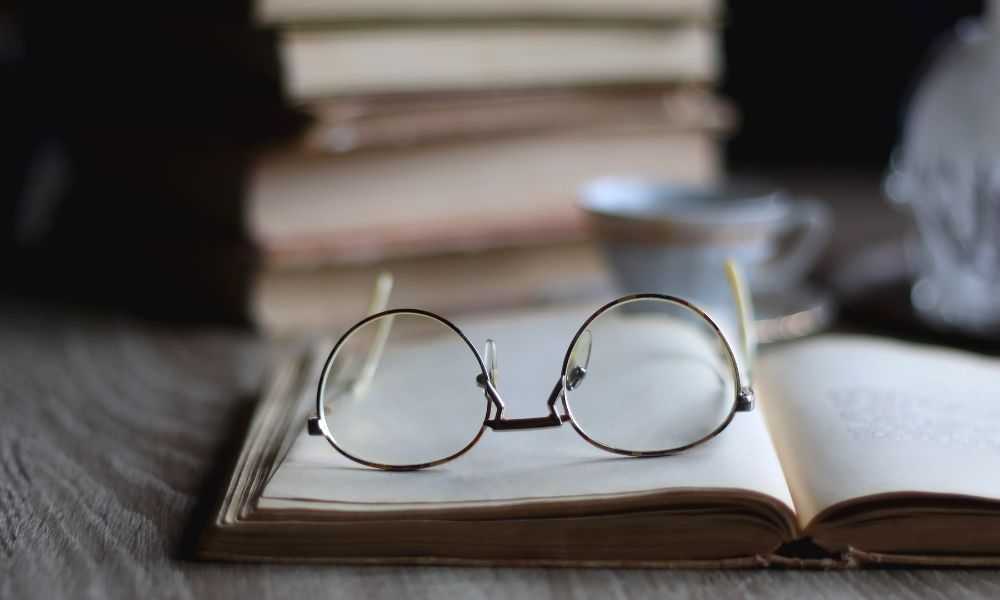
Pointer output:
855, 416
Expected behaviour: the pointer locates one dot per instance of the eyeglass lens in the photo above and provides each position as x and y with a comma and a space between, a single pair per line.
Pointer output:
657, 378
401, 392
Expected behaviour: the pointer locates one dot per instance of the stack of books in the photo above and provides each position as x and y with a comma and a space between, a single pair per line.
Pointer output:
268, 170
448, 139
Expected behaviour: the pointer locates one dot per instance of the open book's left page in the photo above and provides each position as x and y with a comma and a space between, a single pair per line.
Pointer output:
528, 469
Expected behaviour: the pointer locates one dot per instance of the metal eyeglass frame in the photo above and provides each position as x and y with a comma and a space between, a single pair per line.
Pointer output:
744, 399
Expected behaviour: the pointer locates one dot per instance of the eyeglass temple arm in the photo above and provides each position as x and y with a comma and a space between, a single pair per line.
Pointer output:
744, 313
378, 303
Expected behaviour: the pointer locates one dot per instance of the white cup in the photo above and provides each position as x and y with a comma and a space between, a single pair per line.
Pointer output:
663, 238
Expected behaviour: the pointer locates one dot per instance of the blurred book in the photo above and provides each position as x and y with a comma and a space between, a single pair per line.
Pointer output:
323, 62
453, 196
286, 301
290, 12
346, 124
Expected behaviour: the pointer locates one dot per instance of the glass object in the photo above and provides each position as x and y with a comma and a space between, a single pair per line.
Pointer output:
645, 375
946, 174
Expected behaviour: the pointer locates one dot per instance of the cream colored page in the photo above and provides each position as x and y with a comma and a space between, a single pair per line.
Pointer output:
853, 416
524, 466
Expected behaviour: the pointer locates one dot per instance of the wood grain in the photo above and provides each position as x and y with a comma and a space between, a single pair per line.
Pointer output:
112, 431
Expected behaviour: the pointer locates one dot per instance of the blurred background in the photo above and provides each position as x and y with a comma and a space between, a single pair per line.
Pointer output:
258, 164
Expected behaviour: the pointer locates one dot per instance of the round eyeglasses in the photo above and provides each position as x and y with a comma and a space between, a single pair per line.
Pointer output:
645, 375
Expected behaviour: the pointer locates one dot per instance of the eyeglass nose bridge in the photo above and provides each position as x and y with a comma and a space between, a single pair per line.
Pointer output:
501, 423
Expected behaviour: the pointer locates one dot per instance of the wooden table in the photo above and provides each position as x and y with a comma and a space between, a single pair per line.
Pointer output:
115, 432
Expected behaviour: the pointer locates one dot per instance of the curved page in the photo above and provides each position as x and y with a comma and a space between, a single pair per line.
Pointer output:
854, 417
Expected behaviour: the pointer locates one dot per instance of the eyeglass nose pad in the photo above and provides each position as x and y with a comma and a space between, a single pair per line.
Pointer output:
490, 357
579, 360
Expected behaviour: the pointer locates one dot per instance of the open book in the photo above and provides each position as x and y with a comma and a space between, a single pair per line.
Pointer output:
861, 450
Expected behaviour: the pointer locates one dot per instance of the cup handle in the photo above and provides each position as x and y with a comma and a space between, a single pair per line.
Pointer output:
802, 245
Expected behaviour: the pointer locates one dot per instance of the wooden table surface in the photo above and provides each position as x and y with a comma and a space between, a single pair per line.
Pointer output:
115, 433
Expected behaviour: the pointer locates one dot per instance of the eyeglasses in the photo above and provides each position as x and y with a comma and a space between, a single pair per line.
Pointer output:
645, 375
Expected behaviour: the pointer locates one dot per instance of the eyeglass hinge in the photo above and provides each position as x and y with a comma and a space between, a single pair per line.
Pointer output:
745, 400
313, 425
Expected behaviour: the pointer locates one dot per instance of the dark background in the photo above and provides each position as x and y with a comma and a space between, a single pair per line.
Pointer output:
110, 111
825, 83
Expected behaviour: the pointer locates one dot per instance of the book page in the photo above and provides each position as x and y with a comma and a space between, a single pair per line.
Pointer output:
854, 416
517, 467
